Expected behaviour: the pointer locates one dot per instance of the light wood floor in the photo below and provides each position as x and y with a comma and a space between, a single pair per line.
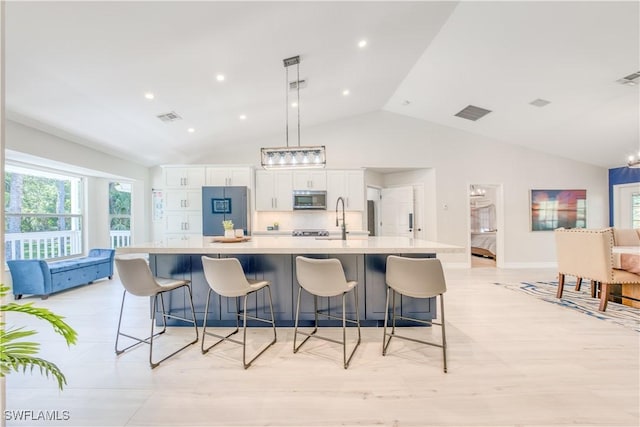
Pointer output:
513, 361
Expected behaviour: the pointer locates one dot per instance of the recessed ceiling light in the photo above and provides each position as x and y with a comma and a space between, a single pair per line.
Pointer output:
191, 130
149, 95
294, 104
242, 117
220, 77
345, 92
362, 43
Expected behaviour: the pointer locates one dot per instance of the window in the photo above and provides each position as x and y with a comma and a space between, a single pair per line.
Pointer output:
43, 214
120, 214
635, 210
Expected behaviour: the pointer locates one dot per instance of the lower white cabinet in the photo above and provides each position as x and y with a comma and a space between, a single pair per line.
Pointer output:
178, 239
183, 222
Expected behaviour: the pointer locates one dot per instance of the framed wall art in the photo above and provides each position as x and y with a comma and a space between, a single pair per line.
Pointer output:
551, 209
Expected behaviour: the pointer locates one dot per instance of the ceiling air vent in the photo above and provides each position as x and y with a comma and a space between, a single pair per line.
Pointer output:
471, 112
631, 79
540, 102
169, 117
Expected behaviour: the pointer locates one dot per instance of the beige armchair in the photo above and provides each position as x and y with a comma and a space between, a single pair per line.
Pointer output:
587, 254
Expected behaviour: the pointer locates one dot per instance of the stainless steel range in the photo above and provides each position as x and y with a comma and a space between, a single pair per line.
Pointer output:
309, 233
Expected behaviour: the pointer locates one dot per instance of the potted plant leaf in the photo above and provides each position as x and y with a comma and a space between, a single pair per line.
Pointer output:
228, 228
19, 355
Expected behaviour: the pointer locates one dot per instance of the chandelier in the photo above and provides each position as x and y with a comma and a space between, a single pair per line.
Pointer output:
293, 157
477, 191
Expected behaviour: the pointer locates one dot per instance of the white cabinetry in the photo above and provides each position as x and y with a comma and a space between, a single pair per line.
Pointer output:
183, 177
274, 190
184, 223
229, 176
310, 180
348, 184
183, 202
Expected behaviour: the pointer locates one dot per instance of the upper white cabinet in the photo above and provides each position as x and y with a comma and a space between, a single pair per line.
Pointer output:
348, 184
310, 180
183, 177
274, 190
229, 176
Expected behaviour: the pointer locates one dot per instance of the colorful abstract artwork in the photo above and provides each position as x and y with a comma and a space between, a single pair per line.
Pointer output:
551, 209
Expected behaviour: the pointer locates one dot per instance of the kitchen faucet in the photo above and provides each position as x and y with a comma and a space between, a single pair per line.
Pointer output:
344, 224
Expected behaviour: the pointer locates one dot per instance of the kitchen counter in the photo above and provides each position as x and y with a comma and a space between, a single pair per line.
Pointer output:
273, 258
294, 245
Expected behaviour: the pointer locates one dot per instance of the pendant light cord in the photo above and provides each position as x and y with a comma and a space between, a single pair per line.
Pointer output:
286, 105
298, 87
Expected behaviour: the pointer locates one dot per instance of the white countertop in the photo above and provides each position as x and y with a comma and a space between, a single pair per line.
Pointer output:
296, 245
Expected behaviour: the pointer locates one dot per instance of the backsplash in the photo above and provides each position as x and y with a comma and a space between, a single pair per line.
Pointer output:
306, 220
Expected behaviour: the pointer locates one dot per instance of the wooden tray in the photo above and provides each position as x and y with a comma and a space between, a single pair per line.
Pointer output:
231, 239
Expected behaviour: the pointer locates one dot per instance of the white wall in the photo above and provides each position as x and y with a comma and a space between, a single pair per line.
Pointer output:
30, 145
387, 140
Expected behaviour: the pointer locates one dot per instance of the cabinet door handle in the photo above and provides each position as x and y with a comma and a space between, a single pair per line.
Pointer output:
186, 225
276, 199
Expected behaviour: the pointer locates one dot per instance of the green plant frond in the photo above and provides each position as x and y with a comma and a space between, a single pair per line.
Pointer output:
14, 334
56, 322
19, 356
23, 363
22, 348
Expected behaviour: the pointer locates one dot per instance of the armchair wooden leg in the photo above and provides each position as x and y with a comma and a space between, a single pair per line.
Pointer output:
578, 283
560, 285
604, 296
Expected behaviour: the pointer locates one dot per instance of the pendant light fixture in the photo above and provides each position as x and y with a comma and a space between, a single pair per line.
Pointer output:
293, 157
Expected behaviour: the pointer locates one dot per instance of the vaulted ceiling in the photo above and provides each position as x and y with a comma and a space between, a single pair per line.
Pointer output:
81, 70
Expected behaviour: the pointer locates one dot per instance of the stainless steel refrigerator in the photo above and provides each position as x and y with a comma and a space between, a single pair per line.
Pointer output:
225, 203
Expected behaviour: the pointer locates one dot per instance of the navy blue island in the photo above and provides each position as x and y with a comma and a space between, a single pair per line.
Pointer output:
273, 258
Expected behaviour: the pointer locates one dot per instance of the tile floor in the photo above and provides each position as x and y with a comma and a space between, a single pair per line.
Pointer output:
514, 360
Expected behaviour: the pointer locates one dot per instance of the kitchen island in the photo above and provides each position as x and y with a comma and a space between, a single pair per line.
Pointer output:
273, 258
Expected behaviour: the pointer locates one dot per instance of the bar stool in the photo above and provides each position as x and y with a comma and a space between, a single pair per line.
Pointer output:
325, 278
137, 279
416, 278
226, 278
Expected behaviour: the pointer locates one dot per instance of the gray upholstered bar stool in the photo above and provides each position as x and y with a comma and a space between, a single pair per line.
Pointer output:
227, 279
137, 279
325, 278
416, 278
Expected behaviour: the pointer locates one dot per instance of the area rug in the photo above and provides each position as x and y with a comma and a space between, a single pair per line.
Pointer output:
581, 301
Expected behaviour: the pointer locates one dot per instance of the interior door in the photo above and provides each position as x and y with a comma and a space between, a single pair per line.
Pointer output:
623, 196
396, 212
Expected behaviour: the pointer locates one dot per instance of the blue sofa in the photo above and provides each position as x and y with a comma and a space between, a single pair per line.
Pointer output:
38, 277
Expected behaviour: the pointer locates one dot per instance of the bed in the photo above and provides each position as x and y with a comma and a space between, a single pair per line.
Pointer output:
484, 244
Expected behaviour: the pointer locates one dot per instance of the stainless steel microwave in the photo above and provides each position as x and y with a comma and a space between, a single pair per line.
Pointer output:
309, 200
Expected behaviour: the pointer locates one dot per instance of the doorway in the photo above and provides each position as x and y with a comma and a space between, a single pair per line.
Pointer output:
626, 205
485, 217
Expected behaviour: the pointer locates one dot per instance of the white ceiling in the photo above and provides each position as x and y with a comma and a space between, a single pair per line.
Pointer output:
81, 69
